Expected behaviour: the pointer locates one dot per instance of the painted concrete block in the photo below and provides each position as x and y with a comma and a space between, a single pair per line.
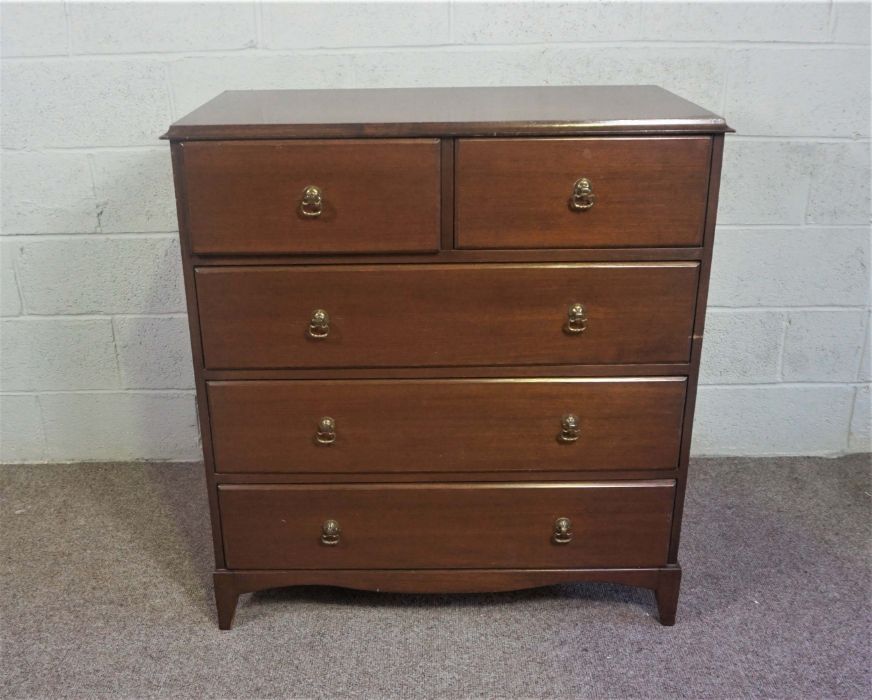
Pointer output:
772, 420
57, 354
154, 352
102, 275
47, 193
21, 436
790, 267
120, 426
823, 345
741, 347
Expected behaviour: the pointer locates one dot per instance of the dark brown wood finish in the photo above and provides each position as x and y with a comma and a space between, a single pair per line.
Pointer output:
445, 112
197, 351
446, 425
456, 256
438, 526
412, 315
409, 477
377, 196
351, 268
634, 370
516, 193
229, 585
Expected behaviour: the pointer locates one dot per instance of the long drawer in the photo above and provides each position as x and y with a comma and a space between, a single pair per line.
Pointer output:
446, 315
361, 426
339, 196
581, 192
395, 526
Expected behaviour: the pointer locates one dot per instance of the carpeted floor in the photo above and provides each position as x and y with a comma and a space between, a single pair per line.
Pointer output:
107, 593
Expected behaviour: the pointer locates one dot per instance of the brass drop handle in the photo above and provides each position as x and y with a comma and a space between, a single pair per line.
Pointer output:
582, 197
326, 433
570, 430
319, 325
311, 204
330, 532
576, 320
562, 531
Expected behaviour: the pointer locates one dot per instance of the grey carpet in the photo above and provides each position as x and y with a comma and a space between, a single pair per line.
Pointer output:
106, 593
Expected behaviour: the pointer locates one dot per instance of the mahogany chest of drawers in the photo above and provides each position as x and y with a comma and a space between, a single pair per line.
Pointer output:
446, 340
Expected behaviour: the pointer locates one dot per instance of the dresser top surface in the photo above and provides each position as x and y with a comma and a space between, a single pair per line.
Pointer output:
433, 112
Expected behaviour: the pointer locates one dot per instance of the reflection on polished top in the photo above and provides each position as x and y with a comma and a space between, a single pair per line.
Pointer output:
467, 111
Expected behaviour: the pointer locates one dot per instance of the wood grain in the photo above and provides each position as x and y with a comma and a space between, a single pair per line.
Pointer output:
446, 112
230, 584
378, 196
446, 525
514, 193
442, 315
446, 425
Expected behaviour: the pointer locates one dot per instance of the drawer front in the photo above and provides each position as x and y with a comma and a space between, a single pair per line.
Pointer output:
374, 196
385, 526
446, 425
446, 315
518, 193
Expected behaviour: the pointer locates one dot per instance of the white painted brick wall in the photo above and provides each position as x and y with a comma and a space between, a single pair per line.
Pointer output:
94, 355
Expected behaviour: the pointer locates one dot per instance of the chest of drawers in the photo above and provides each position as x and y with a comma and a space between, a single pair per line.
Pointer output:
446, 340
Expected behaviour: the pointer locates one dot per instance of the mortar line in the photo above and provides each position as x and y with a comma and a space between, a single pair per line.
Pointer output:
93, 316
764, 307
533, 46
171, 97
68, 28
851, 416
17, 277
98, 210
779, 365
115, 348
831, 20
788, 385
728, 63
789, 227
42, 426
94, 392
867, 344
258, 25
119, 235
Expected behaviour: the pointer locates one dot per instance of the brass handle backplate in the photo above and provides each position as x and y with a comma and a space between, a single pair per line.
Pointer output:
330, 532
319, 326
570, 430
311, 204
576, 320
562, 531
582, 197
326, 434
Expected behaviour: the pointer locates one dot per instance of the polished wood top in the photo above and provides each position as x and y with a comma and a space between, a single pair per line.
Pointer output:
467, 111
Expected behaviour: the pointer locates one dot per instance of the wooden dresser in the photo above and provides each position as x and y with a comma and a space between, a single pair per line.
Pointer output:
446, 340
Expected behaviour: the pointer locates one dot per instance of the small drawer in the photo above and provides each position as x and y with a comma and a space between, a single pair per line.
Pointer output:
434, 526
446, 315
581, 192
446, 425
348, 196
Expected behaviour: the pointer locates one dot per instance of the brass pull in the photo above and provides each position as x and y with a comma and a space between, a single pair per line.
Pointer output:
583, 197
311, 204
570, 431
319, 326
326, 434
576, 321
330, 532
562, 531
